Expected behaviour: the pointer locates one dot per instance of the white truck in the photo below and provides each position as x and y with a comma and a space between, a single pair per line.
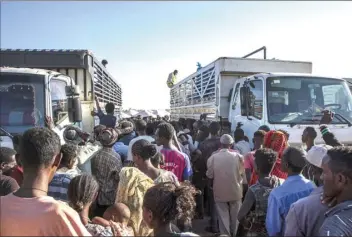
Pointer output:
87, 72
280, 94
28, 95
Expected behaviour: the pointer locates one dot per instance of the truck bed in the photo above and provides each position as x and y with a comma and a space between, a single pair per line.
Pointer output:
207, 91
89, 74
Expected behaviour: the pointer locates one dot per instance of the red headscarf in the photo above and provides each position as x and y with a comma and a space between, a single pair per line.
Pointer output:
276, 141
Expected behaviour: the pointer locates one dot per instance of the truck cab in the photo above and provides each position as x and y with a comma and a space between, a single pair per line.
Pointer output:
291, 102
27, 96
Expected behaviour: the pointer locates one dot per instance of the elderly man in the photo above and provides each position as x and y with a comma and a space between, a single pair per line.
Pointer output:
226, 172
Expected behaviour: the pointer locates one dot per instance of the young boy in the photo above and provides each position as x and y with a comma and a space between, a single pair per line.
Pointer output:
108, 119
120, 214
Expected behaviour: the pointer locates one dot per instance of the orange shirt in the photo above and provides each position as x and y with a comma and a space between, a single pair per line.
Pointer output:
42, 216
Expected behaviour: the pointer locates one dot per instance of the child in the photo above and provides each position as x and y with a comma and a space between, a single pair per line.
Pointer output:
108, 119
120, 215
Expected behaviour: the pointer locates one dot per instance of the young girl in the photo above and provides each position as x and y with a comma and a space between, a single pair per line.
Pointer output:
82, 192
166, 203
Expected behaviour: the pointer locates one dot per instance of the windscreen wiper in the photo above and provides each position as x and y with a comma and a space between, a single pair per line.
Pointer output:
6, 132
343, 118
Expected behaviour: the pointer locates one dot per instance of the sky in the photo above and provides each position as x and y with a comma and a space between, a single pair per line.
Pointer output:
145, 41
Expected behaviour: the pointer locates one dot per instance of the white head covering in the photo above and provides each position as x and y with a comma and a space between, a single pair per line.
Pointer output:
316, 154
226, 139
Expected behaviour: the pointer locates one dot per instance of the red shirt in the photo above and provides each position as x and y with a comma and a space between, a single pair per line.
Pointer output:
17, 174
175, 162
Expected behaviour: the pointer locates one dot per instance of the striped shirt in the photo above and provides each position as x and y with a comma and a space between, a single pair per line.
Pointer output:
178, 163
58, 187
338, 221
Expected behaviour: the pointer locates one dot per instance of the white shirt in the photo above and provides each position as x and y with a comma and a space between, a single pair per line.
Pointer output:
129, 154
243, 147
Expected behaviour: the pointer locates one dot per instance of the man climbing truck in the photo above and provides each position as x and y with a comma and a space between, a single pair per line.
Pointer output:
172, 79
234, 90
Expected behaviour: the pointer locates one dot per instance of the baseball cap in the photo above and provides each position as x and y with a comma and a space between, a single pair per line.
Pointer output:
316, 154
226, 139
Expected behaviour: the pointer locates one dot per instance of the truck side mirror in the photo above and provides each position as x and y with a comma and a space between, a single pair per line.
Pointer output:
245, 100
74, 104
74, 109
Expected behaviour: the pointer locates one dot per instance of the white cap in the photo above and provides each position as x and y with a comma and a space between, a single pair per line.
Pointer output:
316, 154
226, 139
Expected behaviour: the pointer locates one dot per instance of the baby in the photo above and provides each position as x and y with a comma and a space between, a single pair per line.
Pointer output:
120, 215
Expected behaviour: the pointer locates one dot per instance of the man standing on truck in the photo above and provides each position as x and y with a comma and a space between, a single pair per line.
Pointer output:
108, 119
171, 80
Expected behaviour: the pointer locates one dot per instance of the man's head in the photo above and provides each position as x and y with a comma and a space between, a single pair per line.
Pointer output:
264, 160
337, 172
175, 72
293, 160
97, 131
265, 128
226, 141
258, 139
7, 159
315, 157
40, 152
214, 128
69, 155
141, 126
110, 108
239, 135
164, 134
309, 135
197, 125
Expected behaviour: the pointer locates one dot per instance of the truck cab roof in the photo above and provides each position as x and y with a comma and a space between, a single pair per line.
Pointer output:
28, 70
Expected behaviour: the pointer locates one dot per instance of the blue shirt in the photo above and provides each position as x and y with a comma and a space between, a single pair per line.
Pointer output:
280, 200
338, 221
122, 150
127, 138
58, 187
108, 120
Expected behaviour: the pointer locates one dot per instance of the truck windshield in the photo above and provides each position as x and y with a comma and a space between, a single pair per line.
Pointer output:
301, 100
21, 101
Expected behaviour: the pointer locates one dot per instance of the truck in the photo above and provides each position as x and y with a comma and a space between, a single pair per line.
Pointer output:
87, 72
254, 92
28, 95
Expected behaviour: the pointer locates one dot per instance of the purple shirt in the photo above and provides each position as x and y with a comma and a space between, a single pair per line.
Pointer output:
306, 215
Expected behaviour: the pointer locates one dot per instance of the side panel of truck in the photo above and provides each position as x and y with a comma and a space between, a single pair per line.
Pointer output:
208, 90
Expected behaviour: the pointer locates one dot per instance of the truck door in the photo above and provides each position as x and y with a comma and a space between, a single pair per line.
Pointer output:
251, 114
235, 107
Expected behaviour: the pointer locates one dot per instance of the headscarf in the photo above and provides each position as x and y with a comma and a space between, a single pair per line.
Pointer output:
108, 136
131, 190
276, 141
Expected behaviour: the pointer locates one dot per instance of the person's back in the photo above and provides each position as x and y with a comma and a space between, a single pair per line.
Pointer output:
29, 211
174, 161
228, 169
38, 216
294, 188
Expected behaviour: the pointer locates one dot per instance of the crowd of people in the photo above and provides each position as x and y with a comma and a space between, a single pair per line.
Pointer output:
142, 177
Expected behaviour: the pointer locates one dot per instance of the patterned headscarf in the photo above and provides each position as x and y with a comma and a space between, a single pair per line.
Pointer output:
108, 136
276, 141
